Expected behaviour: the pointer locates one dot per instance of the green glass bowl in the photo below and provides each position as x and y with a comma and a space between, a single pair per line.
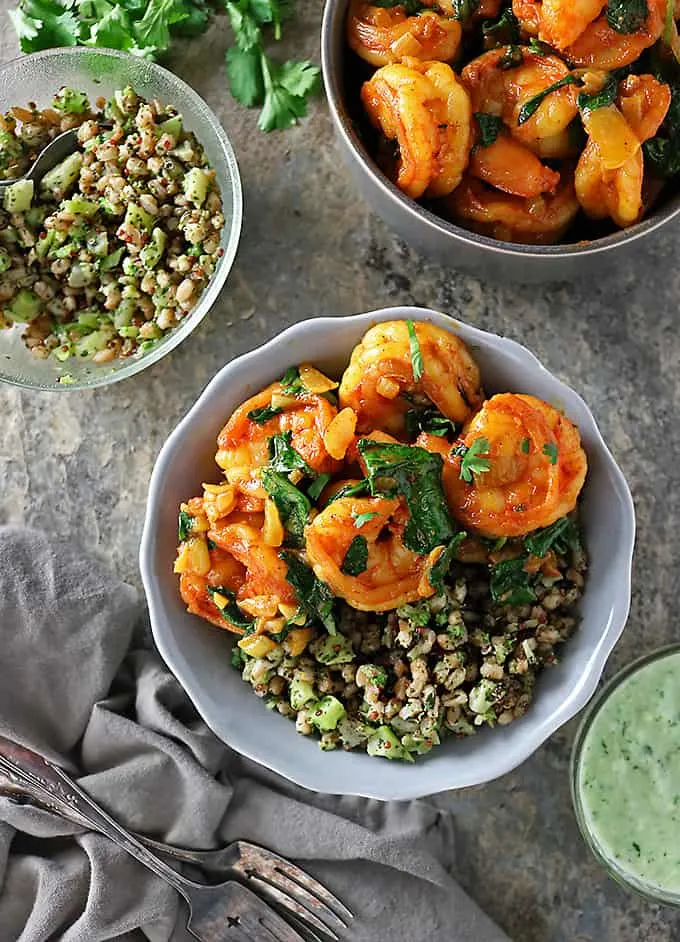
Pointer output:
613, 867
100, 72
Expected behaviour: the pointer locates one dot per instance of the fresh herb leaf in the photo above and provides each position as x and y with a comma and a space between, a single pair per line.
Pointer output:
211, 543
464, 10
509, 583
501, 32
291, 384
529, 108
286, 89
360, 489
560, 536
230, 609
490, 126
550, 450
627, 16
511, 58
293, 506
525, 445
538, 47
440, 570
185, 524
473, 461
315, 488
314, 596
606, 96
238, 658
284, 458
429, 420
245, 75
361, 519
42, 24
416, 474
411, 7
356, 557
416, 355
153, 30
262, 415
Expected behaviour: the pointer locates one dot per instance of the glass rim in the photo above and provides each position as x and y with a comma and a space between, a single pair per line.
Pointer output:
617, 873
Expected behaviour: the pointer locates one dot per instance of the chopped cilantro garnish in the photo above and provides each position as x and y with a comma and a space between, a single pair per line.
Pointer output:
490, 126
525, 446
474, 460
550, 450
184, 524
356, 557
416, 355
429, 420
361, 519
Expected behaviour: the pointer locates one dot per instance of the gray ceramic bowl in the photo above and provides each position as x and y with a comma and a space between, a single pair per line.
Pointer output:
199, 654
434, 236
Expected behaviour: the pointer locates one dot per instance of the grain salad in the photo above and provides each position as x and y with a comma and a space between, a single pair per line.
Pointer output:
112, 247
399, 553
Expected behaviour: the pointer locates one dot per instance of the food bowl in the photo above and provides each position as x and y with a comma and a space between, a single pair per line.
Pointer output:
199, 655
437, 238
99, 72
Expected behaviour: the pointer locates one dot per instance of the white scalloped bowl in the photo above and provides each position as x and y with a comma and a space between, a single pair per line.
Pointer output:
199, 655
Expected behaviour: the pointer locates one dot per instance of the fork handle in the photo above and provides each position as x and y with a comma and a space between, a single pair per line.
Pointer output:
56, 783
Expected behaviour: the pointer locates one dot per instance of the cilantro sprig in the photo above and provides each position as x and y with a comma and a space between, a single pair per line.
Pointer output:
474, 460
148, 29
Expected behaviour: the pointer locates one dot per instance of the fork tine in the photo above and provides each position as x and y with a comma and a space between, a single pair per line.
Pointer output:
292, 890
300, 879
288, 903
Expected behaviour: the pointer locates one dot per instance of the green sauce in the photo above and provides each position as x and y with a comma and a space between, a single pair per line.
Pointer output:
628, 777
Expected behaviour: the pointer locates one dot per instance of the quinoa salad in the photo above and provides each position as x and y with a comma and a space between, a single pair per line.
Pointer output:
111, 248
399, 555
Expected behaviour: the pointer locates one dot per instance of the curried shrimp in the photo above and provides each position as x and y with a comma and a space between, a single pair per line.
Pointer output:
513, 168
535, 468
425, 109
610, 171
538, 221
601, 47
393, 576
563, 21
380, 375
381, 36
503, 92
243, 442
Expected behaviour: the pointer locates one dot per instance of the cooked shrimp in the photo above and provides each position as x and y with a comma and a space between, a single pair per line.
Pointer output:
528, 13
602, 47
563, 21
243, 443
538, 221
503, 92
425, 109
512, 167
263, 573
380, 374
381, 36
536, 468
393, 576
224, 572
609, 175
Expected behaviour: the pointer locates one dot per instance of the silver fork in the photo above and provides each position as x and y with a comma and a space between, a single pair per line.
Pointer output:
226, 912
272, 877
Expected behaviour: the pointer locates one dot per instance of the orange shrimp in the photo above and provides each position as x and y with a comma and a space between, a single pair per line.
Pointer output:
381, 36
394, 575
563, 21
538, 221
425, 109
644, 102
380, 372
536, 468
602, 47
510, 166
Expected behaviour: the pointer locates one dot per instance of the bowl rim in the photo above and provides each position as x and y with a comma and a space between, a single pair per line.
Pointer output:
333, 20
106, 377
534, 736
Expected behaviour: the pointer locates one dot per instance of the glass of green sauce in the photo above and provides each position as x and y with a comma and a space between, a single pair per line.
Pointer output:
625, 776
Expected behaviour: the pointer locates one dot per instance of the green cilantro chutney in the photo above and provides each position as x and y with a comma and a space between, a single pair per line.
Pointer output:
627, 777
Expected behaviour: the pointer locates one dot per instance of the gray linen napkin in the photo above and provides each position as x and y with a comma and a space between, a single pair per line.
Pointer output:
123, 726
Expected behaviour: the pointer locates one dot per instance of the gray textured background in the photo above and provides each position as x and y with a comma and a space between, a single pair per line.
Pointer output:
78, 464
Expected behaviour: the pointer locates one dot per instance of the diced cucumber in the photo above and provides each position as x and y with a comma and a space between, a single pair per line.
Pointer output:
131, 266
326, 713
35, 216
196, 182
108, 208
138, 217
112, 259
82, 274
184, 152
42, 246
17, 197
171, 126
5, 260
151, 254
419, 744
92, 343
124, 313
126, 100
62, 353
332, 649
10, 148
112, 111
98, 243
79, 206
90, 319
301, 692
70, 101
25, 306
384, 743
60, 179
132, 332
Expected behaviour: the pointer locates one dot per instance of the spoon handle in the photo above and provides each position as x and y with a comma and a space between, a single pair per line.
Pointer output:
29, 768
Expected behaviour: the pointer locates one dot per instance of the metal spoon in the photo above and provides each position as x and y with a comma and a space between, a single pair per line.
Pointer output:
52, 154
